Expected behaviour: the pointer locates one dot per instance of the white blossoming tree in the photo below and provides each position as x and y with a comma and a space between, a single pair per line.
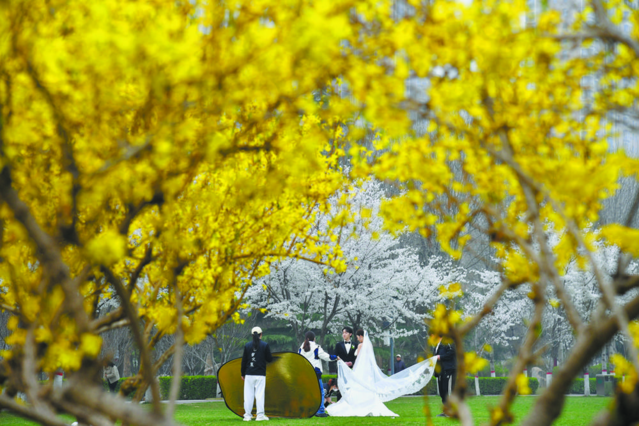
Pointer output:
383, 284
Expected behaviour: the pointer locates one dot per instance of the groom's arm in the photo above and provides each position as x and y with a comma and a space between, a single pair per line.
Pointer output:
339, 351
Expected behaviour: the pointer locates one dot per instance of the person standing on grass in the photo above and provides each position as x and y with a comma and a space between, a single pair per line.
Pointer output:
399, 364
314, 353
346, 350
256, 355
446, 370
111, 375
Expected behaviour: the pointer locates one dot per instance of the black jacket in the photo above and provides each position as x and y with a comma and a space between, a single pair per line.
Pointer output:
448, 356
399, 366
254, 360
340, 351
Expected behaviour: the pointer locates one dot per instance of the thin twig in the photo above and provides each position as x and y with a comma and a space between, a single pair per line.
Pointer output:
113, 326
526, 181
109, 318
486, 309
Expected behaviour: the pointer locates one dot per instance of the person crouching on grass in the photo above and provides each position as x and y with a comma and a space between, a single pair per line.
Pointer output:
313, 353
256, 355
332, 390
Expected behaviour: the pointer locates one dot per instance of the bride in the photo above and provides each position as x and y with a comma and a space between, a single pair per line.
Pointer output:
365, 388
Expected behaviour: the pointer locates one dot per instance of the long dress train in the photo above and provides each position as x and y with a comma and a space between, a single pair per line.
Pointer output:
365, 388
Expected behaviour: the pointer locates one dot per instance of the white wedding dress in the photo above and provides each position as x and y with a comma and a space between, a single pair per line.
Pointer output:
365, 388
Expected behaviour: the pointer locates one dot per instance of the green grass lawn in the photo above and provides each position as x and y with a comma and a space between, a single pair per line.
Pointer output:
578, 411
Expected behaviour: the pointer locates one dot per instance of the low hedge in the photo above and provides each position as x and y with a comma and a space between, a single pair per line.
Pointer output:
500, 371
191, 387
487, 385
203, 387
593, 370
577, 386
326, 377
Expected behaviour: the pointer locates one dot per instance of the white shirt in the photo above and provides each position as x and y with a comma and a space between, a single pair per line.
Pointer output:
315, 355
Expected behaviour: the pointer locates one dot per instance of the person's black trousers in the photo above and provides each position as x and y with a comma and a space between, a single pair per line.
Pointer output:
442, 383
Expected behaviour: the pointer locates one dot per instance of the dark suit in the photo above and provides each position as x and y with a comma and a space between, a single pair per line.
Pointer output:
340, 351
446, 368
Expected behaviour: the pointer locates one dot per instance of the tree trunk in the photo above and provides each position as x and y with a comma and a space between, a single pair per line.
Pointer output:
126, 369
550, 403
208, 366
492, 364
294, 344
586, 382
328, 317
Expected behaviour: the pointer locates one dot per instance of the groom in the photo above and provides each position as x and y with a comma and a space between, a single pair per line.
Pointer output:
346, 349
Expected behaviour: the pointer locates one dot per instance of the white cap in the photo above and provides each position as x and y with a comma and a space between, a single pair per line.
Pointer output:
256, 330
398, 355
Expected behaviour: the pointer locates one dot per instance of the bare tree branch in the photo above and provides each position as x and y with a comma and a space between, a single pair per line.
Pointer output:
148, 257
113, 326
608, 30
624, 259
486, 309
48, 251
28, 413
553, 275
108, 319
179, 352
110, 405
597, 333
132, 315
68, 231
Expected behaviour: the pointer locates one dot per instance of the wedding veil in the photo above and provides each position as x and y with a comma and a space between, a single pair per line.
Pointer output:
366, 377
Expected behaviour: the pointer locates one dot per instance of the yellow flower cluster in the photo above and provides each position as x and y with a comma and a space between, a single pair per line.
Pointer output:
474, 363
523, 386
177, 144
625, 369
442, 322
172, 150
451, 291
496, 124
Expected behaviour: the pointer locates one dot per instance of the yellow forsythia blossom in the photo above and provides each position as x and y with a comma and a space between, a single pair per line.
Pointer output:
474, 363
523, 386
107, 248
624, 368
